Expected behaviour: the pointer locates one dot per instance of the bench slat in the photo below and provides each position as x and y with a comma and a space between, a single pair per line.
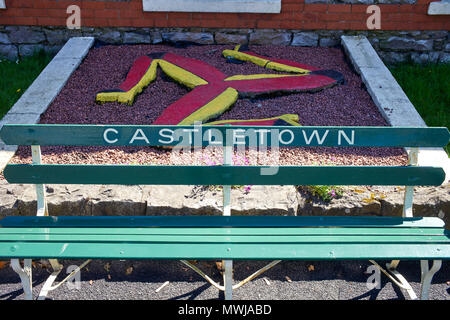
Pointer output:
195, 222
210, 251
223, 175
177, 238
16, 134
208, 236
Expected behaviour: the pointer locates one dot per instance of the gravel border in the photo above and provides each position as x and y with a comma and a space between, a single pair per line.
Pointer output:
287, 281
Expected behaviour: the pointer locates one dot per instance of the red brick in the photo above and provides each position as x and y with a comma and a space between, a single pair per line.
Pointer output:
120, 22
183, 23
339, 8
358, 8
264, 24
154, 15
51, 21
400, 17
357, 25
240, 24
294, 25
125, 13
32, 12
313, 25
19, 4
13, 12
341, 17
8, 20
92, 5
116, 5
333, 25
294, 7
161, 23
208, 23
94, 22
310, 17
57, 13
388, 8
179, 15
142, 23
316, 7
46, 4
107, 13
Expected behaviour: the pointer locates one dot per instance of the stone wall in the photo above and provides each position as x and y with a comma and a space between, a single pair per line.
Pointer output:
392, 46
103, 200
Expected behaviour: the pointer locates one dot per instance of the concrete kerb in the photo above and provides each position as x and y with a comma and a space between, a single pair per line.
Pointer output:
389, 97
44, 89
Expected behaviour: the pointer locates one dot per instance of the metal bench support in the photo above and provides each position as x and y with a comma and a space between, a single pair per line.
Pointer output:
25, 274
427, 276
426, 273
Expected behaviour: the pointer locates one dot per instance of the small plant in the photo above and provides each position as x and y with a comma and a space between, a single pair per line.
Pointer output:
325, 193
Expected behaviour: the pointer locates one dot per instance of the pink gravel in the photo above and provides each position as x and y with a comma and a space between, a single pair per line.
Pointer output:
106, 67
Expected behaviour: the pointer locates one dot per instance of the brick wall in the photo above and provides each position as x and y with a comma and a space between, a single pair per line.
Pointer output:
295, 15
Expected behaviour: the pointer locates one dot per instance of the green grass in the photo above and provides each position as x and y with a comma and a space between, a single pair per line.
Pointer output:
428, 88
15, 78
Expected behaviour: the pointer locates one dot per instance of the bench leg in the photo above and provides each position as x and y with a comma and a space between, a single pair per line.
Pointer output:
396, 277
404, 284
57, 268
25, 275
427, 276
228, 279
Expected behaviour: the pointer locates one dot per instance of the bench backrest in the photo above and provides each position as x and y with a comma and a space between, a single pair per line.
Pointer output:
228, 136
226, 174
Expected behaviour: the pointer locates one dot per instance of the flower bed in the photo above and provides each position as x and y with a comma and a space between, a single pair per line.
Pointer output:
106, 67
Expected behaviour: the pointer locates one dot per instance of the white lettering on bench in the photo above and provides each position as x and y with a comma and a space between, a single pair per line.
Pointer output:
139, 135
281, 135
189, 131
261, 132
105, 135
218, 137
212, 136
315, 134
236, 136
341, 133
170, 137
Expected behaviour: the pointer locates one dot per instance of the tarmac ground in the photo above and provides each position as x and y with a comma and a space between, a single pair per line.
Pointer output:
288, 280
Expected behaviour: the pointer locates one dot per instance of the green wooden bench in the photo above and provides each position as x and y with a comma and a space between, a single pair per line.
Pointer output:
224, 237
